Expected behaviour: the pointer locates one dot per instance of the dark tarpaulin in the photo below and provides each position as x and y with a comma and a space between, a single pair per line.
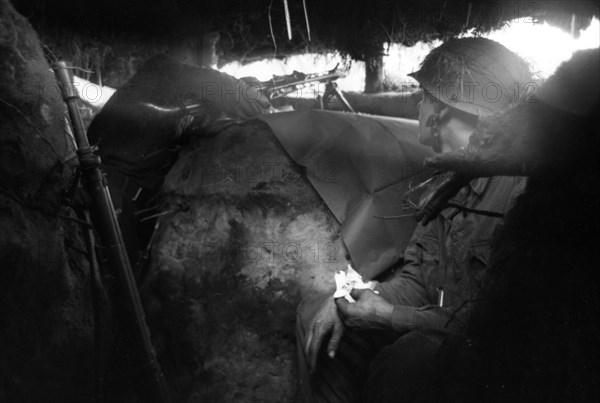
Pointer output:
361, 166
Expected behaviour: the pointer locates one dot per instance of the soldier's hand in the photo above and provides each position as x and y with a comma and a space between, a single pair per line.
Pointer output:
325, 322
370, 311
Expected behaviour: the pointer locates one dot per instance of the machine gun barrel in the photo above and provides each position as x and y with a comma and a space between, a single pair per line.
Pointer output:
105, 221
323, 78
286, 85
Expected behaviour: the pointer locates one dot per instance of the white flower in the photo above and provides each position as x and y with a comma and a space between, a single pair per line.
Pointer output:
345, 282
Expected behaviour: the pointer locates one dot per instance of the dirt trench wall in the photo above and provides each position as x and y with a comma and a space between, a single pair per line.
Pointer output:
46, 321
248, 240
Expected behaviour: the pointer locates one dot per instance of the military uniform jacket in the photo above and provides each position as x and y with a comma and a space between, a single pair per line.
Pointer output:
450, 252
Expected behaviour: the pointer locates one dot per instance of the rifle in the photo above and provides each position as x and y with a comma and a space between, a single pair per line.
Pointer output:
105, 221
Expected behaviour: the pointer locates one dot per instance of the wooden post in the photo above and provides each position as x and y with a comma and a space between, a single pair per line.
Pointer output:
210, 42
374, 74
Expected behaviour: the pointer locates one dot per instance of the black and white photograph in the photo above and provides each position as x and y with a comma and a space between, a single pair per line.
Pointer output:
299, 201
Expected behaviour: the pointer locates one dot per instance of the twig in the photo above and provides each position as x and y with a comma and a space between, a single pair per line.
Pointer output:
288, 21
43, 211
50, 54
468, 16
159, 215
442, 11
81, 69
32, 125
387, 34
76, 249
393, 217
306, 18
412, 189
410, 203
271, 29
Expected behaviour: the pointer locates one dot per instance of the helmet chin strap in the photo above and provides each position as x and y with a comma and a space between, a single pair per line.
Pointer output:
433, 122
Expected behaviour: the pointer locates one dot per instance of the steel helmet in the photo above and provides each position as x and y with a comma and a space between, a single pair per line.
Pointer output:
475, 75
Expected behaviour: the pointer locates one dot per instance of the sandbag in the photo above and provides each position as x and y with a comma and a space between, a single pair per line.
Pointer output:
246, 239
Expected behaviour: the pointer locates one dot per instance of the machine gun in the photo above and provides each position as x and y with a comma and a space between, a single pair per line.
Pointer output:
280, 86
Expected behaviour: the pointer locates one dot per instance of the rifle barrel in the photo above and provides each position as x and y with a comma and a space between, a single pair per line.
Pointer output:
105, 221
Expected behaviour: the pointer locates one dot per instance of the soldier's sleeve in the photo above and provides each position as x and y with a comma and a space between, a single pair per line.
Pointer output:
406, 286
426, 317
238, 99
414, 307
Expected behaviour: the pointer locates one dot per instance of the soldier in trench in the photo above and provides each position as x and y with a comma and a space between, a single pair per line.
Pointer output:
381, 347
174, 96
